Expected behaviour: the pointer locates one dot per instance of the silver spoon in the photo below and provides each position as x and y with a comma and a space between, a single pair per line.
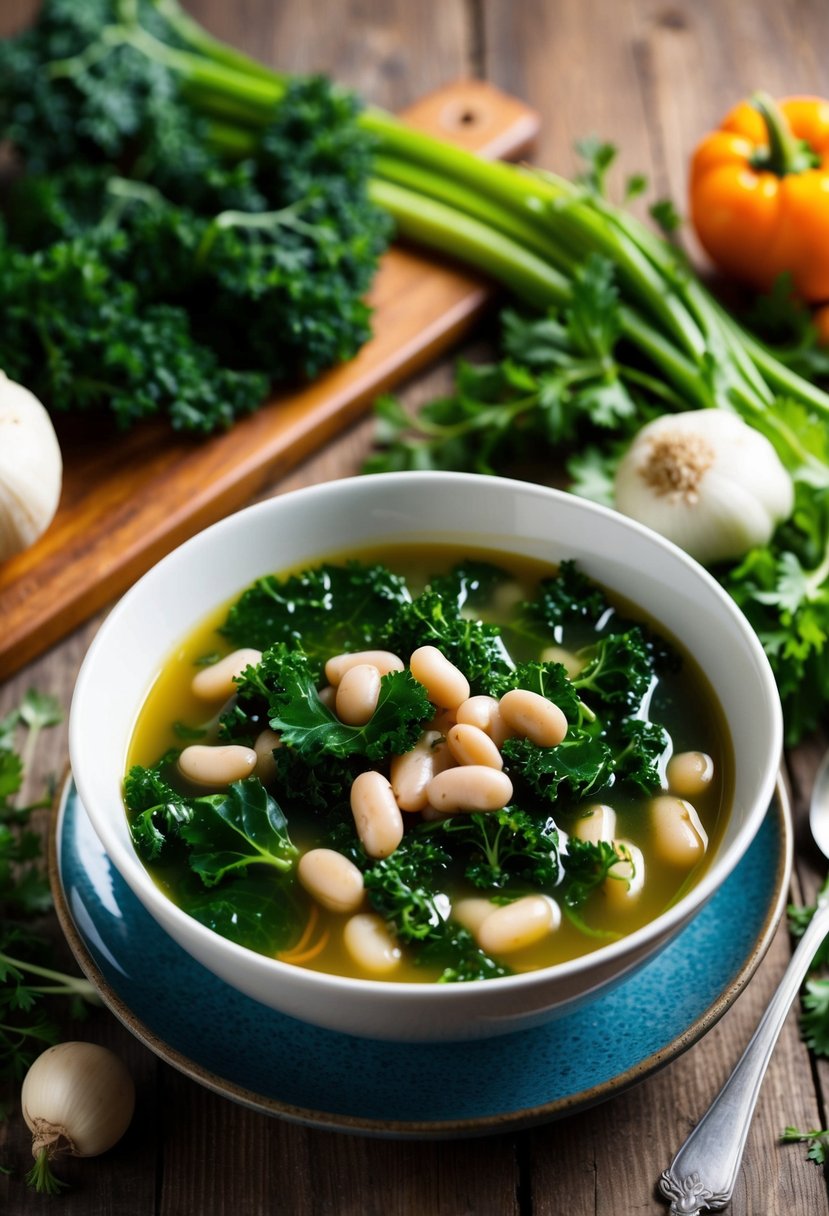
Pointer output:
702, 1175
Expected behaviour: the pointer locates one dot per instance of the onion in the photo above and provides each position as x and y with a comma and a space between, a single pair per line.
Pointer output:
77, 1098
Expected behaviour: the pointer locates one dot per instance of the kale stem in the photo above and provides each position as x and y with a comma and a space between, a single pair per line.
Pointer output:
198, 39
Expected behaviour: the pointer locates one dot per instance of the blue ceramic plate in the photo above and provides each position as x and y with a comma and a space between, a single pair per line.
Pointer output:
284, 1067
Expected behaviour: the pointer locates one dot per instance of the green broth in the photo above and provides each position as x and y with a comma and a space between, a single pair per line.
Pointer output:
682, 701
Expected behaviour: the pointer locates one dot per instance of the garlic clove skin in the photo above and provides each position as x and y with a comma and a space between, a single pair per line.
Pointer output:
31, 468
707, 481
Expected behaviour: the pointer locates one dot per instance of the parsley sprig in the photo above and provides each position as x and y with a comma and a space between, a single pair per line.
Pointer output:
28, 986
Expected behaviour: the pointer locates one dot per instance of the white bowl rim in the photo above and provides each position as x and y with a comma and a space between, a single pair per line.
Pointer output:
137, 877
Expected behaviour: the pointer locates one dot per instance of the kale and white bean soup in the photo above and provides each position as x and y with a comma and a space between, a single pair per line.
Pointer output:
427, 764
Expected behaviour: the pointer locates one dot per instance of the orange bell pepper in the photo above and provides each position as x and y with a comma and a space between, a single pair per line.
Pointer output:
759, 194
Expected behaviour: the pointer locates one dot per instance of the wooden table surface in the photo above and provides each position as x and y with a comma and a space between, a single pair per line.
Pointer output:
651, 76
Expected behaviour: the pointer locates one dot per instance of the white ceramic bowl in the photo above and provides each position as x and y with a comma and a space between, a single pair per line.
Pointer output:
308, 524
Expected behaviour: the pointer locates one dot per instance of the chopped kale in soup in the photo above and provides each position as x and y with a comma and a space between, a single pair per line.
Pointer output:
422, 764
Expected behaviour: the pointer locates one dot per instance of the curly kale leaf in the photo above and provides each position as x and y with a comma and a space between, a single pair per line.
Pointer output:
549, 680
639, 750
266, 258
227, 833
327, 610
157, 811
619, 671
285, 679
471, 585
475, 647
455, 951
504, 847
76, 333
579, 767
586, 866
402, 887
570, 597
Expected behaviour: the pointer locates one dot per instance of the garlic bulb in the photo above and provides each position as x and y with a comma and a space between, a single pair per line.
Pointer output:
707, 481
31, 468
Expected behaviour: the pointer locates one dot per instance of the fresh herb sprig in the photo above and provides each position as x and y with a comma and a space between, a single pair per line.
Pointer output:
28, 985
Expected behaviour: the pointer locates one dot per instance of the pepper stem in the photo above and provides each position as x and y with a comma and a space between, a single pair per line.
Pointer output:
784, 154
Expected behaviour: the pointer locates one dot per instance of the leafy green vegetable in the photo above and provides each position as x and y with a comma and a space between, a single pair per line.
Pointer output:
254, 912
29, 985
132, 215
587, 866
619, 671
295, 711
431, 620
816, 1140
229, 832
326, 610
158, 810
505, 847
226, 833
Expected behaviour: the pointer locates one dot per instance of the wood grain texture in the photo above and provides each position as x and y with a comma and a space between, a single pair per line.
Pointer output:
650, 75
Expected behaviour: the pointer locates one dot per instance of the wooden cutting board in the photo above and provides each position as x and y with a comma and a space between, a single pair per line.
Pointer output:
128, 500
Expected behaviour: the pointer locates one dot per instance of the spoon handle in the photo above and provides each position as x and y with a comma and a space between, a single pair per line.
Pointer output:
702, 1175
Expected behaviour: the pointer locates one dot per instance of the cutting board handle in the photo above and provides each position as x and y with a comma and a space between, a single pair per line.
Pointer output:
477, 116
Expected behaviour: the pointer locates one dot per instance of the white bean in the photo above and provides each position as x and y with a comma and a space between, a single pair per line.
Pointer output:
383, 660
370, 944
471, 745
412, 771
485, 712
471, 912
206, 765
679, 838
357, 694
376, 814
217, 682
442, 721
332, 879
626, 877
515, 926
446, 686
533, 716
559, 654
689, 774
264, 745
595, 823
328, 695
470, 787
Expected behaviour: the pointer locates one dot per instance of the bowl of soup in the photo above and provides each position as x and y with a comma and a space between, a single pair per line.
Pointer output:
425, 756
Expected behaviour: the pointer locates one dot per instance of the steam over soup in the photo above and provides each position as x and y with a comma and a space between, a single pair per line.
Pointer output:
427, 765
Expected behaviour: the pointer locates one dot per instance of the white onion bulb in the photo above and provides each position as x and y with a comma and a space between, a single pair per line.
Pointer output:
77, 1098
